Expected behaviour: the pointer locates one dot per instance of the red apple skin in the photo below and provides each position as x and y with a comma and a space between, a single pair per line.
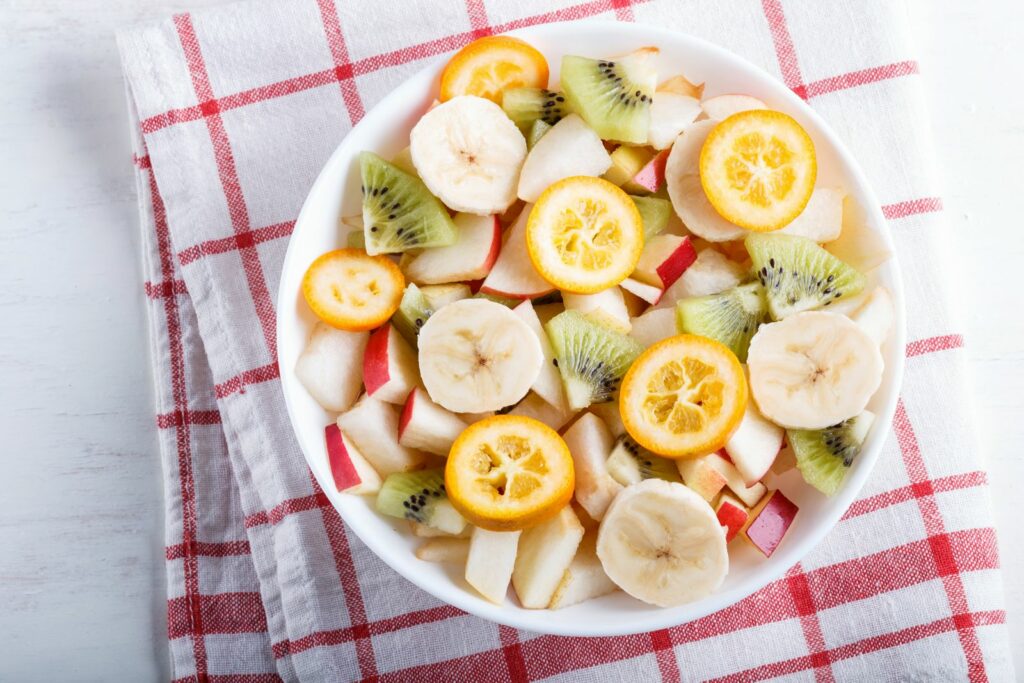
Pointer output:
403, 420
732, 517
771, 523
342, 469
474, 285
492, 255
675, 265
652, 175
375, 360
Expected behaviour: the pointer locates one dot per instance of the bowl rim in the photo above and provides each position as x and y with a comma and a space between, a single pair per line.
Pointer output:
793, 552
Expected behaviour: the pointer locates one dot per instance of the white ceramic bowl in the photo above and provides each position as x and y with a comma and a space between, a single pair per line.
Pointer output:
336, 193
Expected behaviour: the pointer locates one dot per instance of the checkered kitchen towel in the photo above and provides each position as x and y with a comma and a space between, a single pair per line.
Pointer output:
237, 108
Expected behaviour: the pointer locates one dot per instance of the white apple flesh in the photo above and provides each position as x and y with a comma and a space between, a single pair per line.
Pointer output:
470, 258
585, 578
607, 307
646, 292
590, 442
491, 559
570, 148
699, 475
654, 325
426, 426
822, 218
670, 113
536, 407
721, 107
548, 384
349, 469
876, 315
754, 445
326, 369
390, 368
545, 552
664, 260
711, 273
513, 274
372, 426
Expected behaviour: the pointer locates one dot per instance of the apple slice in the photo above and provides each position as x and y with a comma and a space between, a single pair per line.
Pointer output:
670, 114
754, 445
351, 472
423, 531
734, 480
858, 245
876, 315
609, 414
664, 259
536, 407
548, 384
654, 325
492, 557
769, 521
784, 461
711, 273
444, 550
545, 553
731, 514
606, 307
585, 578
635, 306
822, 218
699, 475
590, 442
682, 86
651, 175
513, 274
470, 258
372, 426
646, 292
390, 368
721, 107
570, 148
326, 369
627, 162
427, 426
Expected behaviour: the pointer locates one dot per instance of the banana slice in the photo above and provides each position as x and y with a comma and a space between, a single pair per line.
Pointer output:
469, 154
682, 178
661, 543
476, 355
813, 370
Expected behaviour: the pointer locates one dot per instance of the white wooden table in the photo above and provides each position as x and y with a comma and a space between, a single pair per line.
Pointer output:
81, 538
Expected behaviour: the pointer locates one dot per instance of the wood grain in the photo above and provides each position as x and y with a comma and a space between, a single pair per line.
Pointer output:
81, 565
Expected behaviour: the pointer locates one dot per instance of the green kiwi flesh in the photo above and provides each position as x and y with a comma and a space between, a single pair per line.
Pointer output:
537, 131
631, 463
419, 496
592, 358
731, 317
798, 275
823, 456
654, 212
399, 213
613, 97
526, 105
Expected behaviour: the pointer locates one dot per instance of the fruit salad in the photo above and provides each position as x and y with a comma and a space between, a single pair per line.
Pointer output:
579, 332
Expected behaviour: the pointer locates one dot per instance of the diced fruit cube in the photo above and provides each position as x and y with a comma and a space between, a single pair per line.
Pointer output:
372, 426
732, 514
427, 426
822, 218
444, 550
545, 552
470, 258
513, 274
784, 461
711, 273
664, 259
876, 315
492, 557
654, 325
769, 521
350, 470
606, 307
420, 496
548, 384
682, 86
858, 244
754, 445
585, 577
699, 475
590, 442
570, 148
609, 414
390, 369
670, 114
536, 407
326, 369
627, 161
424, 531
650, 177
644, 292
734, 480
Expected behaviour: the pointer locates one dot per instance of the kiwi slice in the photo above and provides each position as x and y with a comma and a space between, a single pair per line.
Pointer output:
731, 317
654, 212
613, 97
418, 304
798, 275
592, 358
526, 105
420, 497
823, 456
537, 131
399, 213
631, 463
